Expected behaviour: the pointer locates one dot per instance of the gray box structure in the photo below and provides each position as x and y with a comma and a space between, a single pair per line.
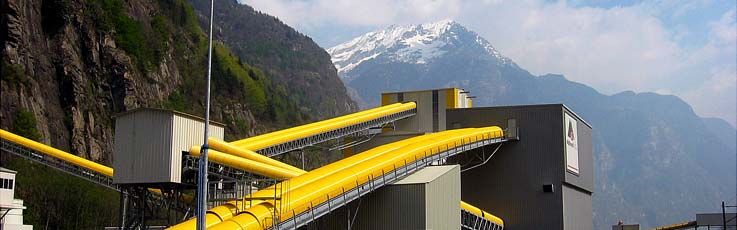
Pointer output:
427, 199
532, 183
149, 144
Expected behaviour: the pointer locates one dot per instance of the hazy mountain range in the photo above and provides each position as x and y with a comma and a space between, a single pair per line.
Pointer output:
656, 161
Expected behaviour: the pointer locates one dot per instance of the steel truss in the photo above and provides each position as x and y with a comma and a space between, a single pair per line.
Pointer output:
58, 164
470, 220
289, 146
374, 183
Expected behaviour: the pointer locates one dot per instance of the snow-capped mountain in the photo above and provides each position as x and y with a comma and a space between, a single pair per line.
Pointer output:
412, 44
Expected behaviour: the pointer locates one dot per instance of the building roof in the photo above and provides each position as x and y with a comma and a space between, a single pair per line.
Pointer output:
7, 170
190, 116
426, 175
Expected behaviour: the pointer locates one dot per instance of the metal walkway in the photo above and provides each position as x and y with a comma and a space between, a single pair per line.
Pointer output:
58, 164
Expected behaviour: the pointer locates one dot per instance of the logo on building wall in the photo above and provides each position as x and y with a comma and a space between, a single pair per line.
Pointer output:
571, 132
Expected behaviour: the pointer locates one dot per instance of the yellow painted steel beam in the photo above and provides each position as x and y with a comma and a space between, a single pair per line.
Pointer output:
482, 213
305, 197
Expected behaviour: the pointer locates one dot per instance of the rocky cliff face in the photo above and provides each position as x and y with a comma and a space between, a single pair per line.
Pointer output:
71, 65
285, 54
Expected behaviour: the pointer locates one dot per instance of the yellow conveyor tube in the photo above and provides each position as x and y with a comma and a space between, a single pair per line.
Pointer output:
244, 149
226, 211
224, 147
71, 158
246, 141
247, 165
322, 126
314, 193
481, 213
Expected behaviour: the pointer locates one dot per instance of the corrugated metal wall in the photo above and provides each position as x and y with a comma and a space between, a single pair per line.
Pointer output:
577, 211
187, 132
142, 144
511, 184
149, 144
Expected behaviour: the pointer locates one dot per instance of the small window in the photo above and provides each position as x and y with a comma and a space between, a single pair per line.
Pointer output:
5, 183
10, 185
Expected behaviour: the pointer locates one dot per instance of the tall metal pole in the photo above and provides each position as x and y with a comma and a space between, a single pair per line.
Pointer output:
202, 177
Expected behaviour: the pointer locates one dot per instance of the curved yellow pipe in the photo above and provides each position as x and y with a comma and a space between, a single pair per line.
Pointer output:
303, 198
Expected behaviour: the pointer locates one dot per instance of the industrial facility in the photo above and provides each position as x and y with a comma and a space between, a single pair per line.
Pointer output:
423, 160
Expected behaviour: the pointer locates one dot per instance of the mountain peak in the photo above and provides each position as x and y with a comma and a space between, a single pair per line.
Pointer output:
413, 44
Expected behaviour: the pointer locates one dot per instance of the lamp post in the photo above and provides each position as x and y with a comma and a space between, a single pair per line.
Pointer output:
202, 172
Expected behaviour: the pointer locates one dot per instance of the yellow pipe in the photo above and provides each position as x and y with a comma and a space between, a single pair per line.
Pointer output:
315, 175
225, 147
248, 165
68, 157
327, 125
315, 193
71, 158
303, 198
481, 213
319, 123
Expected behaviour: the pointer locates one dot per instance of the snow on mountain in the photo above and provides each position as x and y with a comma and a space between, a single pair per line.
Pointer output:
414, 44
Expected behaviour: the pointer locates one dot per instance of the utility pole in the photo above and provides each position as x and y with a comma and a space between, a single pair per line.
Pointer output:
202, 173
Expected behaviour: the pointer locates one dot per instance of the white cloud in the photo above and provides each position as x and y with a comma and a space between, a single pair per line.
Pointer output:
717, 96
611, 49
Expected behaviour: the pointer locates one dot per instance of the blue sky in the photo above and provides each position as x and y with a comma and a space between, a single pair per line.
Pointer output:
683, 48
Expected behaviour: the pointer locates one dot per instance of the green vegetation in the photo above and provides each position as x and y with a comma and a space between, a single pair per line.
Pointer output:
24, 125
12, 73
60, 201
146, 43
239, 79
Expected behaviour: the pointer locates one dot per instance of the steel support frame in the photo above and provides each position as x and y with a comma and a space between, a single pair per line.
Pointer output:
470, 220
58, 164
374, 183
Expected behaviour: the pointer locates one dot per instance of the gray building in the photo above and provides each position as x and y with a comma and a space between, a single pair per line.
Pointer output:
543, 181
